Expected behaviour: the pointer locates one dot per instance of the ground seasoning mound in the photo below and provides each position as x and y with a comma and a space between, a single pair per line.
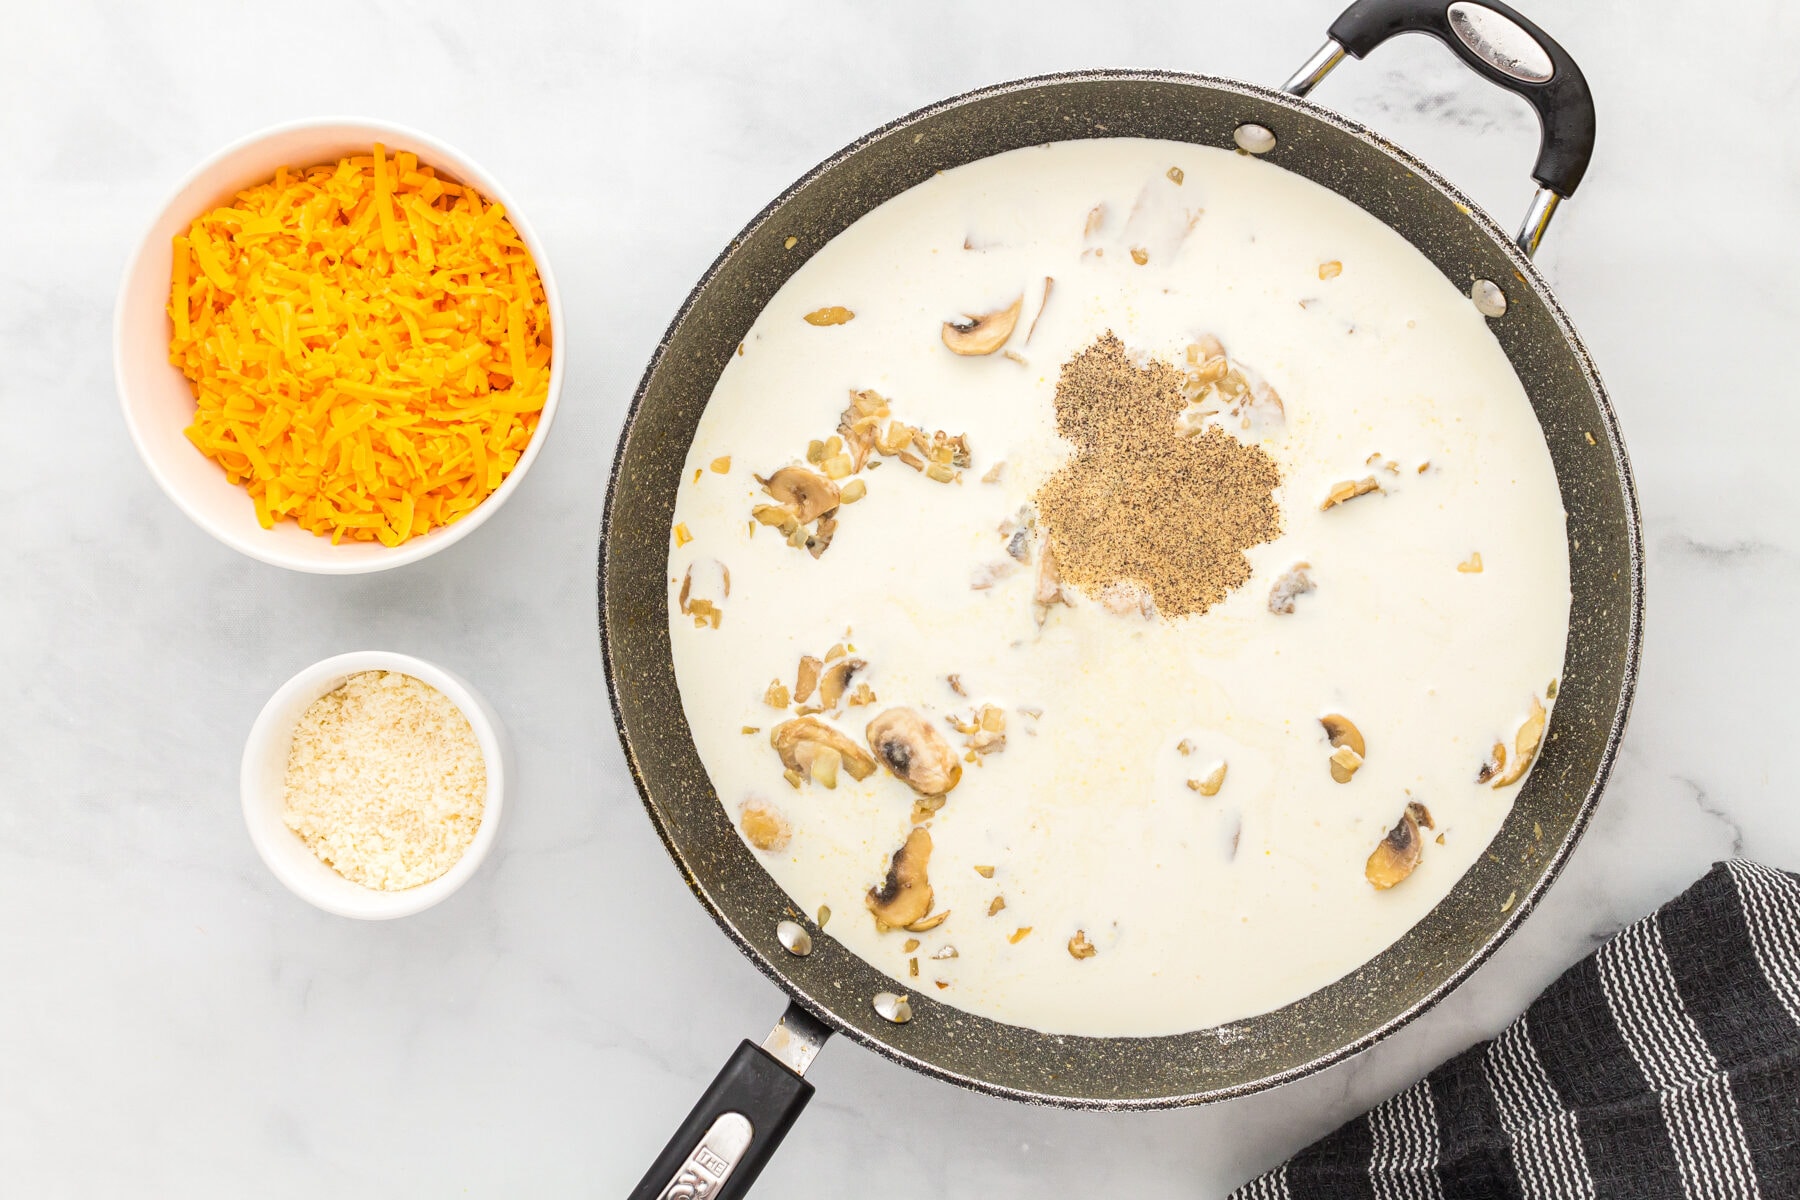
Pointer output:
1141, 503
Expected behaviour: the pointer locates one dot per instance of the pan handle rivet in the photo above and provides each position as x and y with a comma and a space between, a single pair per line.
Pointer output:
1489, 300
794, 939
897, 1009
1254, 139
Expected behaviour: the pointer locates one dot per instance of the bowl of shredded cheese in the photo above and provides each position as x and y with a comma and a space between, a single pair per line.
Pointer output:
334, 346
372, 784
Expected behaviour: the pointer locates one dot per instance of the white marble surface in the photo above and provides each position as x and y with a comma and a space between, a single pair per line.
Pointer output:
173, 1022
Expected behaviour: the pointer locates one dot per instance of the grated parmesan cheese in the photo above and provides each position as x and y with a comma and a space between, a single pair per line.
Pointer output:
368, 344
385, 781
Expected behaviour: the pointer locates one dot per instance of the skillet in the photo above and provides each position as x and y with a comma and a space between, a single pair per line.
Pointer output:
748, 1109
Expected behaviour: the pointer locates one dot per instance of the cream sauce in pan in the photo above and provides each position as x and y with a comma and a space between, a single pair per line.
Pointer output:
1200, 909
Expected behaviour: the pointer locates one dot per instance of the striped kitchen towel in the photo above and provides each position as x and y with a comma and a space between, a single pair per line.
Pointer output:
1667, 1063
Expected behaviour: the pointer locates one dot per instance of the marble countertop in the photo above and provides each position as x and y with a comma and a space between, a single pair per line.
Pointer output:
173, 1022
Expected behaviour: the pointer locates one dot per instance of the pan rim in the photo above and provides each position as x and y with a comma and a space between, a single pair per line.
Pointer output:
1609, 750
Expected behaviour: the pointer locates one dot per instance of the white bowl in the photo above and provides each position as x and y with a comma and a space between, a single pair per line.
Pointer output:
159, 402
265, 769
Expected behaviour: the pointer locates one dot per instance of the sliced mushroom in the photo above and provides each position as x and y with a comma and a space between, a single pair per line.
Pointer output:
819, 762
836, 680
801, 492
817, 542
1397, 854
983, 334
1343, 732
1525, 746
1294, 583
807, 679
905, 895
914, 751
1347, 757
1019, 530
787, 737
1493, 766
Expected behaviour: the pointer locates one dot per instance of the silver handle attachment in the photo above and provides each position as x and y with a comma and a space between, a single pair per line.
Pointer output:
1543, 202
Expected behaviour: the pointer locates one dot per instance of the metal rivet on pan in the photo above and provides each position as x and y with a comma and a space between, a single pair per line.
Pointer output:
1489, 300
1254, 139
897, 1009
794, 939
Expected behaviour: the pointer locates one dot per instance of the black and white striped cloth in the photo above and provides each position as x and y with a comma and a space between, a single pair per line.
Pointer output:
1666, 1064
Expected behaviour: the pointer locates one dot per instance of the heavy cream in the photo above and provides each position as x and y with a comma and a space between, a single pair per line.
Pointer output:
1099, 817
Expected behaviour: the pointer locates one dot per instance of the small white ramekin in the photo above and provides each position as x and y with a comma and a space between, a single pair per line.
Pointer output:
265, 768
159, 402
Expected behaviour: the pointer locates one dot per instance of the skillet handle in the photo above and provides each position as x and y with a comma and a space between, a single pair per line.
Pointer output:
1502, 47
740, 1121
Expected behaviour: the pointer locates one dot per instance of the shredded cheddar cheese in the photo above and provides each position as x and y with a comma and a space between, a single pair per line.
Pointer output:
368, 343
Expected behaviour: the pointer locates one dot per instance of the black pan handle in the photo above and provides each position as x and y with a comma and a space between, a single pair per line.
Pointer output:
1501, 46
740, 1121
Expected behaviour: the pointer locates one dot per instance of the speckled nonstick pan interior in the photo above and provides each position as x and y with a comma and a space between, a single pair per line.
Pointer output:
1483, 908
